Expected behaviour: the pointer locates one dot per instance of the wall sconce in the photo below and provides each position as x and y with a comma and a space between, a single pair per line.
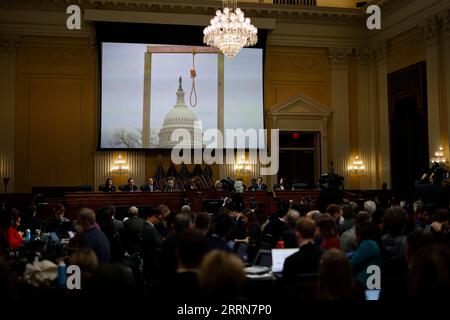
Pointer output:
242, 166
439, 157
357, 167
120, 166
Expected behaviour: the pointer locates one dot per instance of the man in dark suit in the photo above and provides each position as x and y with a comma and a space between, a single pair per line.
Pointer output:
91, 236
260, 186
183, 285
151, 247
58, 222
149, 186
182, 222
171, 186
130, 187
132, 233
222, 228
307, 259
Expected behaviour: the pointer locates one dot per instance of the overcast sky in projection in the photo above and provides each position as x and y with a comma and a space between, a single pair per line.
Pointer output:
122, 88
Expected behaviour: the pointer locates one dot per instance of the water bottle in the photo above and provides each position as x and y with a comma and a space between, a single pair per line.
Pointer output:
62, 273
27, 235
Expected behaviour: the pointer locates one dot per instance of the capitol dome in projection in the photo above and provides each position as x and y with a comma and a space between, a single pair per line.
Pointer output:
180, 117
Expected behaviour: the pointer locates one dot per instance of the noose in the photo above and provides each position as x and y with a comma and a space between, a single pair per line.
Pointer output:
193, 95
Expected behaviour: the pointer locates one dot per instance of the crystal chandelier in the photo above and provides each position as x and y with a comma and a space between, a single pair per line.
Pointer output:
230, 31
357, 167
439, 156
120, 166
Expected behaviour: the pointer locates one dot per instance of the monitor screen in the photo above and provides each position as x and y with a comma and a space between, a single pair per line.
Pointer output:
148, 92
263, 258
279, 256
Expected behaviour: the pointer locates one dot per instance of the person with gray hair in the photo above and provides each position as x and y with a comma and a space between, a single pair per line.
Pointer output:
289, 236
132, 231
91, 236
133, 211
186, 208
370, 206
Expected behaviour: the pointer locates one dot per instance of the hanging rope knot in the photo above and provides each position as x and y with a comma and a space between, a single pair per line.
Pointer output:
193, 96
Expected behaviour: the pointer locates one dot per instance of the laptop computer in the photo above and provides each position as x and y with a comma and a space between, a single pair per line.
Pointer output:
241, 251
262, 263
53, 236
278, 258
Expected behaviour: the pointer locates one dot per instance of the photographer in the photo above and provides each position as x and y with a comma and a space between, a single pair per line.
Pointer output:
331, 190
430, 188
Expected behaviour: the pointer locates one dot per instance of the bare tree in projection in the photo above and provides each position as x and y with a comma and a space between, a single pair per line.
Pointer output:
131, 139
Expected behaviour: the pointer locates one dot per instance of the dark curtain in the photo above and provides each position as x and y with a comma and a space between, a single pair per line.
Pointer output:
408, 128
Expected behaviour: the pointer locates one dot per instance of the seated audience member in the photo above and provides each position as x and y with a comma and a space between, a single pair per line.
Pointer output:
130, 186
222, 227
149, 186
366, 254
221, 276
132, 231
202, 223
349, 219
326, 225
426, 219
259, 186
15, 239
289, 237
393, 242
336, 278
151, 247
313, 215
348, 241
431, 191
218, 186
429, 277
281, 185
377, 218
193, 184
252, 186
86, 259
181, 223
108, 186
91, 236
190, 250
171, 186
58, 223
186, 208
238, 231
118, 225
105, 221
395, 288
440, 226
306, 260
270, 229
370, 206
164, 225
30, 221
252, 227
334, 211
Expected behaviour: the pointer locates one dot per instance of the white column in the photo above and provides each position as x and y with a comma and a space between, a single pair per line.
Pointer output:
430, 32
7, 107
384, 162
340, 104
366, 119
446, 29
